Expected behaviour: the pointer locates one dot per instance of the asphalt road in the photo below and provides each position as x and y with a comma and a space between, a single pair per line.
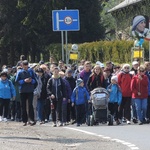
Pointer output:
133, 136
14, 136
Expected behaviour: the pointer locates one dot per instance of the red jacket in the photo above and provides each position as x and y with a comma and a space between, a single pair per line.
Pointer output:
141, 86
124, 81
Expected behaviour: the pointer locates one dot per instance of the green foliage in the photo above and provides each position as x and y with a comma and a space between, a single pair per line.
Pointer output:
116, 51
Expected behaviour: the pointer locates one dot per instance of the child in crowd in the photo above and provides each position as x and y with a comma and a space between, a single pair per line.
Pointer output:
115, 98
79, 97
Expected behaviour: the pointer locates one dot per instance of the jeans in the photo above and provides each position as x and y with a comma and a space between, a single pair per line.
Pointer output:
134, 113
41, 111
141, 108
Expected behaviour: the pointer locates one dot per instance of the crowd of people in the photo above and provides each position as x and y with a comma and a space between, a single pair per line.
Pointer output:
41, 92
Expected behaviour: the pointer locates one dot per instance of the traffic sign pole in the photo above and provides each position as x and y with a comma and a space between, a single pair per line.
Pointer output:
62, 44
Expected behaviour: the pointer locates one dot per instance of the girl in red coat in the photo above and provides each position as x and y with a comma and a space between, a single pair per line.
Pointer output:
139, 88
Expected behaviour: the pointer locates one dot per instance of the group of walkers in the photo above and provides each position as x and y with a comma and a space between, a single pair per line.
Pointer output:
34, 93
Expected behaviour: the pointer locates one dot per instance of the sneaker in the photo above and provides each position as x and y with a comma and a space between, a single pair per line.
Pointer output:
32, 123
59, 124
128, 122
5, 119
135, 120
118, 122
64, 124
54, 124
141, 123
78, 124
25, 124
1, 119
42, 122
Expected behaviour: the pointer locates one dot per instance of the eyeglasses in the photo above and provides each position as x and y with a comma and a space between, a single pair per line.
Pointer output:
126, 67
141, 70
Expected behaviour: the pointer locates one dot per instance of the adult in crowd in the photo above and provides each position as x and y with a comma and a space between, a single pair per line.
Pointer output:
47, 75
96, 79
68, 97
147, 67
107, 77
116, 70
7, 91
109, 65
27, 83
71, 115
42, 99
57, 94
139, 87
84, 75
22, 58
134, 71
124, 81
37, 93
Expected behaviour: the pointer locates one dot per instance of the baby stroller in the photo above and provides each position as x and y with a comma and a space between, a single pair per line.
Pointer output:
99, 106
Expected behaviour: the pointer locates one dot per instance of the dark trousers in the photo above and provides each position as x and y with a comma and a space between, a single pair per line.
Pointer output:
148, 108
80, 113
57, 110
113, 108
125, 108
68, 112
27, 99
64, 112
15, 110
4, 106
47, 109
72, 113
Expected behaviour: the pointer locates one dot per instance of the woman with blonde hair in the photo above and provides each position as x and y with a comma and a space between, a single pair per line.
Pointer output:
96, 79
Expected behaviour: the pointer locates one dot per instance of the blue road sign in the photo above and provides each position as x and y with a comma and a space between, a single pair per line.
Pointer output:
65, 20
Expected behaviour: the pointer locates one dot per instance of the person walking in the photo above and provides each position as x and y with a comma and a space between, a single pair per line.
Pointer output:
139, 88
7, 91
79, 98
124, 81
27, 83
57, 94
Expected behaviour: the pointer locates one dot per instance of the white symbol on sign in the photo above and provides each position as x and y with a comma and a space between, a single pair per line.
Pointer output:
68, 20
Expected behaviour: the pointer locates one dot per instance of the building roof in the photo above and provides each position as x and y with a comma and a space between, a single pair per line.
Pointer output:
124, 4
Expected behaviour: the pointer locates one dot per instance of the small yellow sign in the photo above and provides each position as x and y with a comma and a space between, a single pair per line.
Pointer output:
74, 56
138, 54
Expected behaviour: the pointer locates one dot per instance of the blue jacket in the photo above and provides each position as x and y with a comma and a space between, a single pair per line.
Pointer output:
7, 90
23, 86
115, 93
80, 95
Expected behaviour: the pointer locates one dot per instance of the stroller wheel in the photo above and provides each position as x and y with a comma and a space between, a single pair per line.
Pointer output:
110, 120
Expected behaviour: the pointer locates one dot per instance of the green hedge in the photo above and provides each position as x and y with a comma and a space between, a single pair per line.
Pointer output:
116, 51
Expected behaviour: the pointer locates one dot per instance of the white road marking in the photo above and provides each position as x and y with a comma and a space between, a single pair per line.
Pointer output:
130, 145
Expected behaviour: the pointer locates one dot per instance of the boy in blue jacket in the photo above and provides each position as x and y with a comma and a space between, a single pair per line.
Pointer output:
79, 97
115, 98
